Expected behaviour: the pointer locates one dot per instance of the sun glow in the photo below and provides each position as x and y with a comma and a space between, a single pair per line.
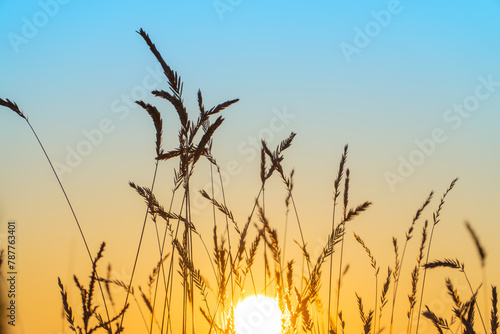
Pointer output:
257, 315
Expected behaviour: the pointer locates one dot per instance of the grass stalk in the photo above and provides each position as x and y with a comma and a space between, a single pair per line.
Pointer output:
346, 200
436, 220
336, 193
399, 263
14, 107
136, 258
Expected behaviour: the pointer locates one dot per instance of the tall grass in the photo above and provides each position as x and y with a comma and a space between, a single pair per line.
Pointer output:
15, 108
180, 298
436, 219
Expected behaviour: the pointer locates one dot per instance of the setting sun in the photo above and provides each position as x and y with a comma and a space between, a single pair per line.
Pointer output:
257, 315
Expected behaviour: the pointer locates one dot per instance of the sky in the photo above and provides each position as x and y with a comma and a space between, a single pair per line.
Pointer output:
412, 86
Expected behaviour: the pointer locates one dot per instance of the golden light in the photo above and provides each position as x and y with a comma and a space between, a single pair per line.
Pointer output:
257, 315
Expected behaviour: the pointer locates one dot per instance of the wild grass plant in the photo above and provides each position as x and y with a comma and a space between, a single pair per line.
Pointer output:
207, 299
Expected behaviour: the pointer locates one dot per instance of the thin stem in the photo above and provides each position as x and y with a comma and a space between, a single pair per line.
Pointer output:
161, 247
139, 246
485, 293
396, 284
265, 244
251, 274
73, 213
478, 308
227, 227
284, 239
303, 241
340, 277
157, 281
436, 220
166, 284
168, 298
188, 218
376, 300
423, 279
300, 227
331, 273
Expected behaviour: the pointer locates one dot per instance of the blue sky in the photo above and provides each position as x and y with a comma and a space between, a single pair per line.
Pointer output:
263, 53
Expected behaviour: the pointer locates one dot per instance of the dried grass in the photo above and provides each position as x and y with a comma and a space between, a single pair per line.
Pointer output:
300, 302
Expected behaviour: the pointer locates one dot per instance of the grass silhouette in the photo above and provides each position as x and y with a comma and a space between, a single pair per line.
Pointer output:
210, 303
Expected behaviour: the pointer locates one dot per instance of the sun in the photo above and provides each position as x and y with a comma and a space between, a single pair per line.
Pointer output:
257, 315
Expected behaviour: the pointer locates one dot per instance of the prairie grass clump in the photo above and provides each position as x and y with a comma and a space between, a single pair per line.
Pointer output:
89, 310
250, 258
